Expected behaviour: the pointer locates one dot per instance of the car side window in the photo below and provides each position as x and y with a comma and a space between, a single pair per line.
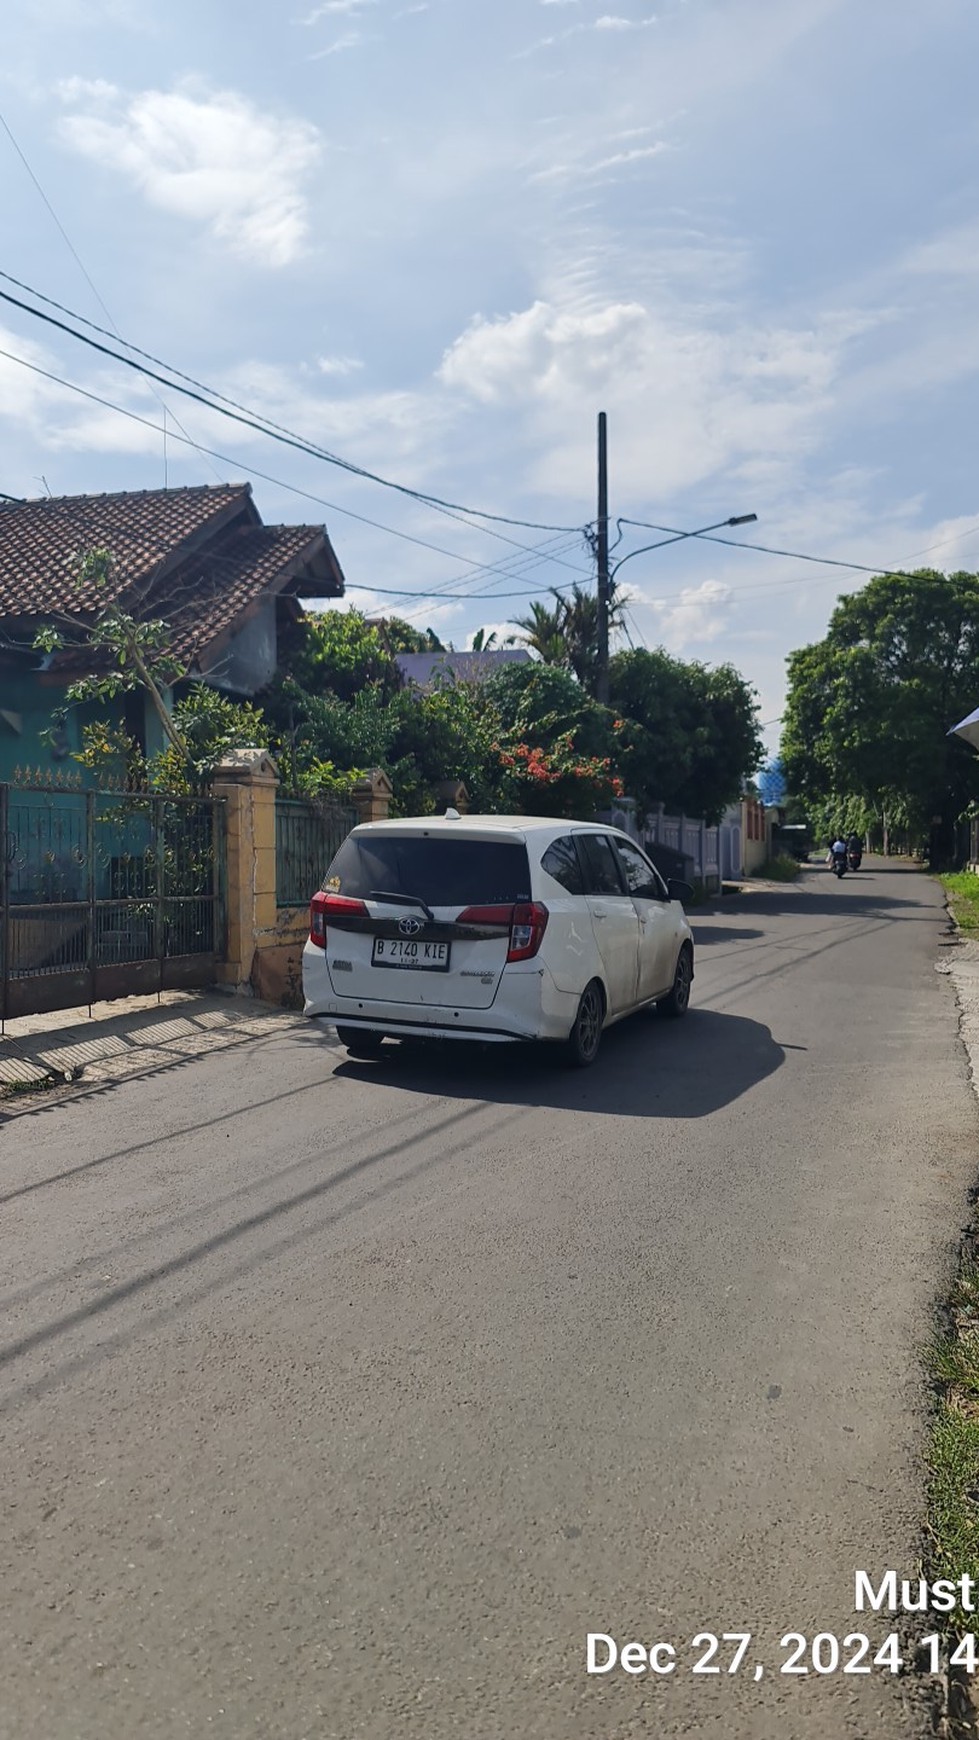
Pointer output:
562, 862
601, 868
641, 879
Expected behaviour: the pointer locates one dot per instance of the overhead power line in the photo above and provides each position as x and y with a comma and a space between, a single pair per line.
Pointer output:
69, 244
305, 494
884, 570
227, 407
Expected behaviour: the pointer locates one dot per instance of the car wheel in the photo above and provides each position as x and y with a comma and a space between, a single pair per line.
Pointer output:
360, 1044
586, 1034
677, 1002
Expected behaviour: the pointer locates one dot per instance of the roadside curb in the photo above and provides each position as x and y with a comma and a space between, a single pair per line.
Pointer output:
960, 963
127, 1038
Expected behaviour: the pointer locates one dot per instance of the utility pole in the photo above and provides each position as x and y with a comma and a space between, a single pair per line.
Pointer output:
601, 548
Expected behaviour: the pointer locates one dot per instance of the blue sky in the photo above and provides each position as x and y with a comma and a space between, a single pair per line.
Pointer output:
438, 236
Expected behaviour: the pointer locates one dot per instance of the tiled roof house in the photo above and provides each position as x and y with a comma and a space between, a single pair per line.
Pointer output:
199, 559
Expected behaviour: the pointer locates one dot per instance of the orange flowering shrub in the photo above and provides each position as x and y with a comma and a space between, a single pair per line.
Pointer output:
558, 781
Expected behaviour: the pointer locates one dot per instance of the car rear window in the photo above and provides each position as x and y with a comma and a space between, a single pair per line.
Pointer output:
562, 862
440, 871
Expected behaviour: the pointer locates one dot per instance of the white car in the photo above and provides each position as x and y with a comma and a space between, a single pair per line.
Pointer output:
495, 928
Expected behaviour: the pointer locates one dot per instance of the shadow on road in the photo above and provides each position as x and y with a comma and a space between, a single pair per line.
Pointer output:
726, 933
857, 894
647, 1068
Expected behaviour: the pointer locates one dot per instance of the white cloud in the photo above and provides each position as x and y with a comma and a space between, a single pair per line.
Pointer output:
609, 21
330, 9
209, 157
77, 90
426, 614
338, 365
526, 352
634, 156
579, 166
688, 394
351, 39
699, 615
954, 253
24, 395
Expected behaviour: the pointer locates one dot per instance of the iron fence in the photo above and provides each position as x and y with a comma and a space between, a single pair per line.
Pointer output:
307, 836
106, 894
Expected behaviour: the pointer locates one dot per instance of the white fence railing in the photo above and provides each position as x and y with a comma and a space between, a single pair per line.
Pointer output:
713, 854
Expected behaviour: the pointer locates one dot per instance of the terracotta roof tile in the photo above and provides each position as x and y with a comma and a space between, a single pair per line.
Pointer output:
40, 541
194, 558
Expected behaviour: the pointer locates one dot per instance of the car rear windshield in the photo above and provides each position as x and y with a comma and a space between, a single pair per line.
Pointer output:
439, 871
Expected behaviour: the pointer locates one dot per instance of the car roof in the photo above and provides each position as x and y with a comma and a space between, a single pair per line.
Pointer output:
481, 825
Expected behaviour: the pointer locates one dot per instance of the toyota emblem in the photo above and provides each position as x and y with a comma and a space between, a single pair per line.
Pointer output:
409, 926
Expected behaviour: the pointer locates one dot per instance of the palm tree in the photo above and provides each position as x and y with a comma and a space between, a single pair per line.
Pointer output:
543, 630
567, 635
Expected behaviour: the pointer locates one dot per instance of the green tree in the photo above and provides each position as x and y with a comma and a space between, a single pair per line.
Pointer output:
870, 706
126, 652
339, 651
401, 637
210, 724
687, 734
542, 703
543, 632
566, 633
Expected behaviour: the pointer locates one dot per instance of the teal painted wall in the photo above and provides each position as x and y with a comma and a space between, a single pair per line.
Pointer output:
35, 703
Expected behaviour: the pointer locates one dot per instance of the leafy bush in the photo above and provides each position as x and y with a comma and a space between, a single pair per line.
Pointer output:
781, 868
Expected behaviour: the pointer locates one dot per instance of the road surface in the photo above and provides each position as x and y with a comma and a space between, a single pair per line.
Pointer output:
342, 1401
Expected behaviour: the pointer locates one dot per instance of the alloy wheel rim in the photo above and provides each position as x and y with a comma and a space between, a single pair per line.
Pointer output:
682, 987
589, 1022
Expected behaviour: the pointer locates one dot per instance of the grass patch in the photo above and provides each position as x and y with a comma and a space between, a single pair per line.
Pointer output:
10, 1090
954, 1361
964, 1296
962, 889
783, 868
953, 1496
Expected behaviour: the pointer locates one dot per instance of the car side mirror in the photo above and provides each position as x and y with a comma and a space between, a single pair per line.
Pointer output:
678, 890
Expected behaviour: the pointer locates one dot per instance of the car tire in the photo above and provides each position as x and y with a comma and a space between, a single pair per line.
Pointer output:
677, 1002
360, 1044
586, 1035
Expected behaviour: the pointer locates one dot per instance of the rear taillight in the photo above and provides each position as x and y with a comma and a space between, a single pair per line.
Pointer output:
525, 924
527, 927
320, 908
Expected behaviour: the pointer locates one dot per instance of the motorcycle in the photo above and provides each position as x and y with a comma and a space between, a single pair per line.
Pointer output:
854, 859
839, 865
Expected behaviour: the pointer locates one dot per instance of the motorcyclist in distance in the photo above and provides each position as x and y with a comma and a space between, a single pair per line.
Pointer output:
837, 851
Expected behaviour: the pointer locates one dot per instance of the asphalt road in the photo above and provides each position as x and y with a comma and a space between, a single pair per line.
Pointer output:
342, 1400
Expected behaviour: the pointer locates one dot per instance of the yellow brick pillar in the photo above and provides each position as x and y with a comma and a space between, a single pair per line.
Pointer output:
247, 779
372, 796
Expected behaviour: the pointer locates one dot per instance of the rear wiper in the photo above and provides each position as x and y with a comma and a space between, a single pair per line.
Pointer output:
402, 900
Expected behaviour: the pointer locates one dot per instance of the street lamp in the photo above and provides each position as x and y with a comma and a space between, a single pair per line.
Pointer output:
678, 537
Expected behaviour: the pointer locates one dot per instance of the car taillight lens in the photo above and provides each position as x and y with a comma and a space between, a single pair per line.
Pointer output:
527, 927
320, 908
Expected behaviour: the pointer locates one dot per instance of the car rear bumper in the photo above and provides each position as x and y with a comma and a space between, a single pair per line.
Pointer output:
424, 1030
527, 1005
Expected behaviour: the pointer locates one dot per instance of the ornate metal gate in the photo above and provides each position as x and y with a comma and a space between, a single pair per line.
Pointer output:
106, 894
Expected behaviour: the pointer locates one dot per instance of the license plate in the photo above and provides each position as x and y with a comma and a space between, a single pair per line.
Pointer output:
392, 951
